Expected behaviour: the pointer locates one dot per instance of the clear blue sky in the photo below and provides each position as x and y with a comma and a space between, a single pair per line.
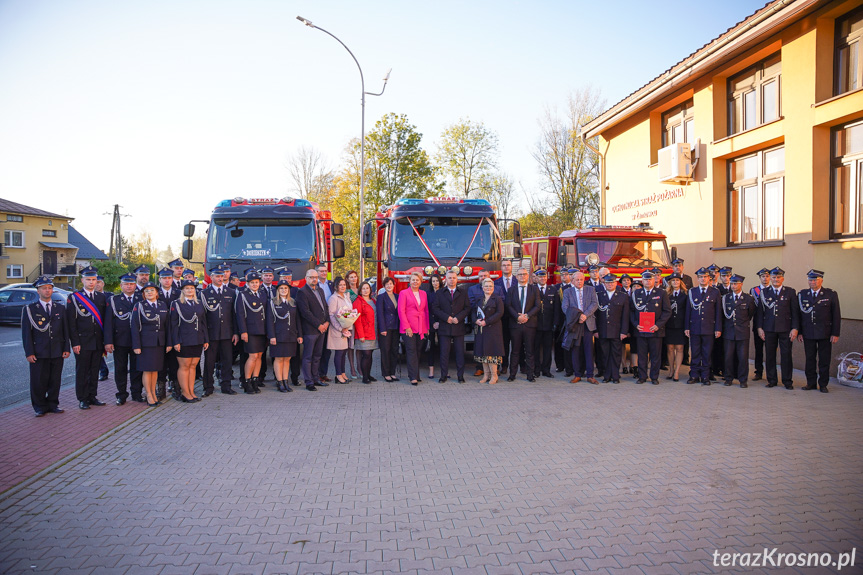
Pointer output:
168, 106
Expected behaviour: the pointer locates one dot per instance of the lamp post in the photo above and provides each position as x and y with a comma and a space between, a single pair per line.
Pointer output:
363, 94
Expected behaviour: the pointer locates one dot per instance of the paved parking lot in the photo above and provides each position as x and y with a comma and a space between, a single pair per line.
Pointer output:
516, 478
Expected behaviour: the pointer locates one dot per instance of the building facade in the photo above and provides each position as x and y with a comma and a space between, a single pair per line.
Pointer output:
35, 242
772, 114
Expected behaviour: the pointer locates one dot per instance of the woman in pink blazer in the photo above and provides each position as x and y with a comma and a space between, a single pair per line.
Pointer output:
413, 323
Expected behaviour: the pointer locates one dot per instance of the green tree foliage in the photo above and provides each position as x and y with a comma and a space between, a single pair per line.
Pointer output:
111, 271
467, 154
139, 249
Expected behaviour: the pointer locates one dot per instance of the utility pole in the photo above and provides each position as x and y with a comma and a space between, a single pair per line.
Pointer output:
115, 251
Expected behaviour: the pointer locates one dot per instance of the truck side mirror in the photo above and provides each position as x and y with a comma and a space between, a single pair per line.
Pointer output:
187, 249
673, 253
337, 229
189, 230
516, 232
367, 233
561, 254
338, 249
368, 253
516, 252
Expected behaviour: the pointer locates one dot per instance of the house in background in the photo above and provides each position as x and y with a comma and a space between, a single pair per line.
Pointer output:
87, 252
35, 242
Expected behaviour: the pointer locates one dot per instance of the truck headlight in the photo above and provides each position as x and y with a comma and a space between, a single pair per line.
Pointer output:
468, 270
428, 270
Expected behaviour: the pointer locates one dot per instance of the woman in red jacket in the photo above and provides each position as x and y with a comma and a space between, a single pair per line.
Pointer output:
365, 332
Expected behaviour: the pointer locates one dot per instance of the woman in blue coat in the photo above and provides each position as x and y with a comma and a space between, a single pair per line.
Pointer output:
250, 309
387, 314
189, 337
284, 332
150, 338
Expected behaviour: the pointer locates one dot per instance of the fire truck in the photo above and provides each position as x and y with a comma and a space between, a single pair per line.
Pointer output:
622, 249
254, 232
436, 235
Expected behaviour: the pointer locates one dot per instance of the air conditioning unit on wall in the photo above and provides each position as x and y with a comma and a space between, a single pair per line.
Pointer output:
675, 163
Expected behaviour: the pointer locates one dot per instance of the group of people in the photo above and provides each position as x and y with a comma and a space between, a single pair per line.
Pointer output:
158, 333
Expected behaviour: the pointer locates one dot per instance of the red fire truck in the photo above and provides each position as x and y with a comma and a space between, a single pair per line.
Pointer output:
436, 234
622, 249
254, 232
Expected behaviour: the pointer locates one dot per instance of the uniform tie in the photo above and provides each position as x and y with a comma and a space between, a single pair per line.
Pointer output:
48, 308
521, 297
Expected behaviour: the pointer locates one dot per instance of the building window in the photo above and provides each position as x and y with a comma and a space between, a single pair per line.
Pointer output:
14, 271
678, 125
49, 233
756, 192
846, 61
13, 238
13, 218
846, 167
754, 95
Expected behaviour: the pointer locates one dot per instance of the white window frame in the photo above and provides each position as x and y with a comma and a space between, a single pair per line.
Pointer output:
10, 271
760, 183
8, 236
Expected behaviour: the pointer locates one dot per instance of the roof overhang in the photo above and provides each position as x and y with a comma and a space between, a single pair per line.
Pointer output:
739, 38
59, 246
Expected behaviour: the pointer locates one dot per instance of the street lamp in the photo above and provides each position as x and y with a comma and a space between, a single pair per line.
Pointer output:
362, 136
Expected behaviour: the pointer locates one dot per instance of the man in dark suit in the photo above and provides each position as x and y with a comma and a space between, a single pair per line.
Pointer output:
677, 267
118, 340
169, 292
703, 326
562, 357
612, 326
522, 305
315, 321
505, 283
778, 321
326, 286
218, 303
738, 309
820, 320
758, 343
649, 339
544, 343
582, 296
85, 313
449, 309
46, 346
296, 364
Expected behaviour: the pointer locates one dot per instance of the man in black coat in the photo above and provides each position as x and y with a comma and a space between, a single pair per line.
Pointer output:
450, 308
655, 301
85, 314
562, 358
218, 303
758, 343
118, 340
46, 346
296, 363
169, 292
544, 343
703, 326
315, 317
738, 311
612, 326
778, 321
505, 283
820, 320
522, 305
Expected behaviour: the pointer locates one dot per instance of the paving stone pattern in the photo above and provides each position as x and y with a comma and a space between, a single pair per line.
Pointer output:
545, 477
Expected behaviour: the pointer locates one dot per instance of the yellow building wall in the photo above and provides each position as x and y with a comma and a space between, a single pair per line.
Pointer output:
30, 255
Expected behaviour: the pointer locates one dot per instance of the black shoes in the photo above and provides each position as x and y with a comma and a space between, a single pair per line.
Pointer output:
83, 405
208, 393
340, 382
511, 378
415, 383
743, 385
247, 387
824, 390
789, 387
461, 380
157, 404
771, 385
808, 387
103, 378
654, 382
727, 384
691, 380
640, 381
531, 379
95, 401
138, 399
443, 379
705, 382
38, 413
311, 387
757, 377
322, 383
228, 391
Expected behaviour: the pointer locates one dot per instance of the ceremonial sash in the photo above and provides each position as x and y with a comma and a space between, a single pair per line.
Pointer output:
91, 307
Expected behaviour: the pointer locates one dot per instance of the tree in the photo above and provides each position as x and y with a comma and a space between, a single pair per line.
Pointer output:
139, 249
111, 271
308, 171
500, 191
569, 168
467, 155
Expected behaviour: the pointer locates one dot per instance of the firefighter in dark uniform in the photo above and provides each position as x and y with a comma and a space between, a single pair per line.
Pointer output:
655, 301
778, 321
85, 313
46, 345
177, 268
677, 267
612, 326
544, 342
218, 302
142, 277
755, 292
118, 340
169, 292
738, 309
703, 326
296, 364
820, 320
717, 366
562, 358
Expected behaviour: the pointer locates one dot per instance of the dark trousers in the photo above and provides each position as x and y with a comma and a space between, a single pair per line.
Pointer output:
562, 357
412, 355
296, 365
582, 355
262, 372
702, 355
45, 383
169, 371
365, 360
759, 353
434, 353
103, 368
685, 350
87, 374
649, 349
221, 350
600, 358
339, 361
718, 362
125, 362
389, 345
446, 342
313, 347
781, 340
736, 359
324, 364
818, 353
542, 352
612, 352
522, 342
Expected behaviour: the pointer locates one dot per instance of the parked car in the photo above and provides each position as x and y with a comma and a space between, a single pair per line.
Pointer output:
12, 302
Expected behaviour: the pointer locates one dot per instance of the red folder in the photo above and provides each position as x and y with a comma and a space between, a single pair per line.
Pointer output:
646, 320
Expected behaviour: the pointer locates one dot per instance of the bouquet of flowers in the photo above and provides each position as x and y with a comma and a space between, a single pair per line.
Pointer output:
347, 318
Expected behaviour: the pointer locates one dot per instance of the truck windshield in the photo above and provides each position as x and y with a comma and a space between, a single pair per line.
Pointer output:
261, 239
448, 238
624, 252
